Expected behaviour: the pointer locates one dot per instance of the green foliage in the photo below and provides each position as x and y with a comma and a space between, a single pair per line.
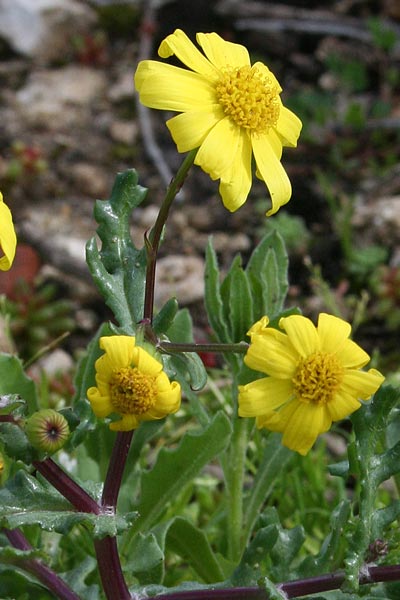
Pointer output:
118, 269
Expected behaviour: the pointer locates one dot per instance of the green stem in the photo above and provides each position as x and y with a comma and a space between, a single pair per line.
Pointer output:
173, 348
234, 476
153, 242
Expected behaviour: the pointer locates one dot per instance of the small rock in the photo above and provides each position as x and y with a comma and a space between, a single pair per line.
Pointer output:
123, 88
43, 29
90, 180
179, 276
380, 218
124, 132
59, 98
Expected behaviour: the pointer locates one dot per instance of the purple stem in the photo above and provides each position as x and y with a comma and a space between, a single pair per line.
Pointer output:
109, 566
34, 566
116, 468
67, 486
292, 589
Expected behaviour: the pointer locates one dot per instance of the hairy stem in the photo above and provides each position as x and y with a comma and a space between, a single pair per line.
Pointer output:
172, 347
116, 468
110, 570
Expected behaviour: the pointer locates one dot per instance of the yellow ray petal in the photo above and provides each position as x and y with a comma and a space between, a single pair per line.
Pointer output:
189, 130
333, 333
288, 127
276, 144
361, 384
119, 349
101, 405
219, 149
236, 181
352, 356
272, 354
146, 363
271, 171
277, 420
307, 422
302, 334
221, 53
342, 405
167, 87
262, 396
8, 239
127, 423
179, 44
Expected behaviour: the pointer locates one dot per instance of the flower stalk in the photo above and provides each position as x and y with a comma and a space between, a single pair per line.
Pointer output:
153, 241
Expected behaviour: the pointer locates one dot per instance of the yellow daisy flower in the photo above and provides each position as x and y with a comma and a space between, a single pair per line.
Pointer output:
230, 110
131, 383
8, 239
314, 377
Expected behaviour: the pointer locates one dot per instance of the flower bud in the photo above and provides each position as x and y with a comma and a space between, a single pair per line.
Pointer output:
47, 430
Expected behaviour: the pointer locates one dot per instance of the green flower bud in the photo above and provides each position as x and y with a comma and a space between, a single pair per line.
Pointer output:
47, 430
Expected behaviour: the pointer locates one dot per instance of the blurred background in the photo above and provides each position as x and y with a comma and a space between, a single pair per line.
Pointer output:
69, 121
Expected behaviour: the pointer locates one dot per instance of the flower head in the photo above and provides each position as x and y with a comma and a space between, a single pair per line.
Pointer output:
314, 378
47, 430
8, 239
131, 383
230, 110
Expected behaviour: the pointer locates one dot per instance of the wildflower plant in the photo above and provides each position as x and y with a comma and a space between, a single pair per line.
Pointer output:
147, 486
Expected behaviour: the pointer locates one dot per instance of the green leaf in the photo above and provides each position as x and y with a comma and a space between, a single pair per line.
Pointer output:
119, 269
237, 301
16, 443
10, 402
191, 543
77, 576
85, 378
164, 319
176, 468
146, 559
14, 381
212, 296
274, 459
26, 500
267, 273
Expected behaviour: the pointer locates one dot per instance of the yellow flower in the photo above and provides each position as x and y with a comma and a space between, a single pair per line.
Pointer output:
314, 378
229, 109
8, 239
131, 383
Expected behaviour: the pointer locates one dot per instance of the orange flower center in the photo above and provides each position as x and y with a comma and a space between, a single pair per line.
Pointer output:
249, 98
132, 392
318, 377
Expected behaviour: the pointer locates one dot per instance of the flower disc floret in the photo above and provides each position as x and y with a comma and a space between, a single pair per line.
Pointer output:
314, 377
8, 239
131, 383
230, 110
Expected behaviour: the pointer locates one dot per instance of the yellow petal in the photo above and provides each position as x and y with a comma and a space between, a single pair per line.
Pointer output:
221, 53
219, 149
277, 420
127, 423
276, 145
179, 44
272, 354
167, 87
146, 363
259, 327
288, 127
271, 171
342, 405
101, 405
333, 333
263, 396
189, 129
352, 356
307, 422
8, 239
301, 333
236, 181
119, 349
361, 384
